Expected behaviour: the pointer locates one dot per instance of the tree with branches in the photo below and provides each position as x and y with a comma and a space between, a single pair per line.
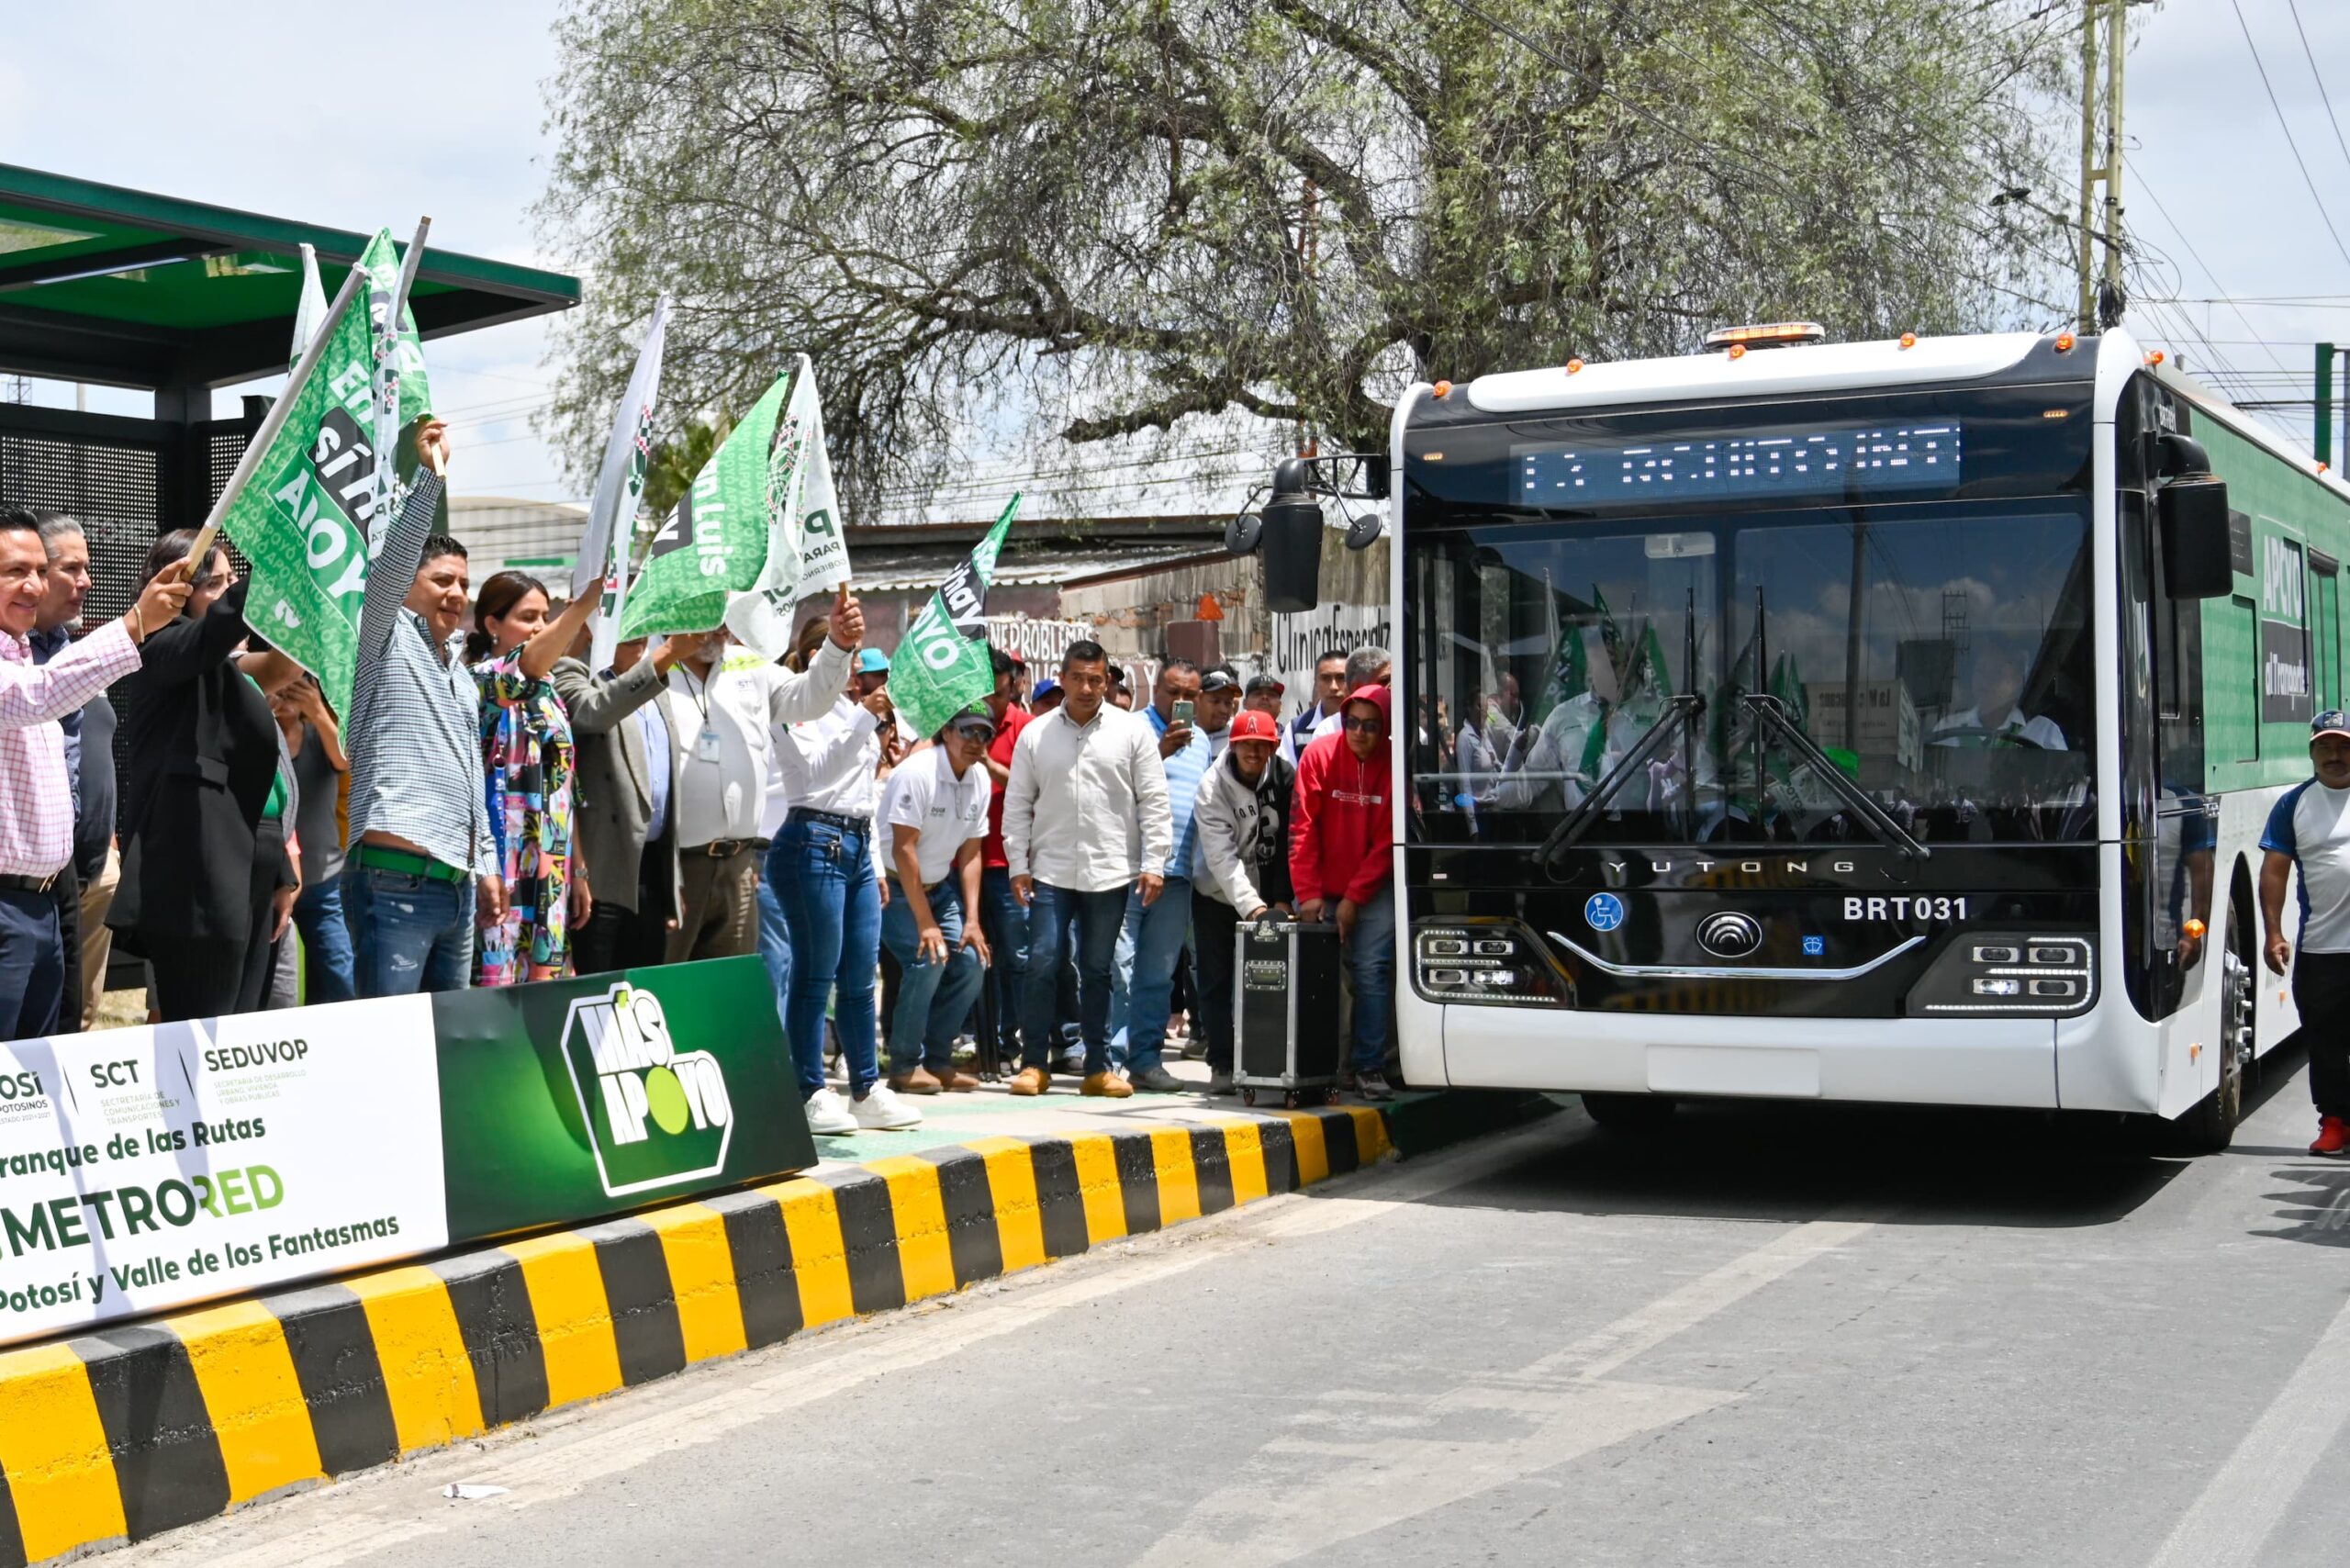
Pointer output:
1139, 212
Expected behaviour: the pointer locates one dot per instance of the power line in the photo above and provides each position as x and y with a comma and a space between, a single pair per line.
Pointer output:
2286, 127
2193, 254
2311, 55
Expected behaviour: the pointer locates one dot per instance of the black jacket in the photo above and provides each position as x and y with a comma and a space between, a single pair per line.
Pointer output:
201, 750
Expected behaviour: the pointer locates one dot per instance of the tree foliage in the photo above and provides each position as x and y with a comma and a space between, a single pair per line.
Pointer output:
1140, 210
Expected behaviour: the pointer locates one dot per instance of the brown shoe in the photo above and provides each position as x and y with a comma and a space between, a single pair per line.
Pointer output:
1107, 1086
1031, 1081
955, 1081
918, 1081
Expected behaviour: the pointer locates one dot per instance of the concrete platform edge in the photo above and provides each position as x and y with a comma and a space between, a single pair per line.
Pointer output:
134, 1430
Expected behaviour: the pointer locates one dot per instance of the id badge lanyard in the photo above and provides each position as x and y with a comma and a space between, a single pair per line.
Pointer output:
705, 743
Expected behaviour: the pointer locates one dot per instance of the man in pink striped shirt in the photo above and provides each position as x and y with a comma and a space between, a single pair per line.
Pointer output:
36, 795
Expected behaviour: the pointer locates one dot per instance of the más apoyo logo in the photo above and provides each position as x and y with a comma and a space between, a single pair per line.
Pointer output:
656, 1116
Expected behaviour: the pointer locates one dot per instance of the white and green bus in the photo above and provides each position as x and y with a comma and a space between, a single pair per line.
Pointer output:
1889, 721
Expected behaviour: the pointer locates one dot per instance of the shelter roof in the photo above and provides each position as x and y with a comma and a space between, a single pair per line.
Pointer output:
105, 285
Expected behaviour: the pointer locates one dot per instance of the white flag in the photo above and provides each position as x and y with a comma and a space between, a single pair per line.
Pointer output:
310, 312
602, 566
805, 552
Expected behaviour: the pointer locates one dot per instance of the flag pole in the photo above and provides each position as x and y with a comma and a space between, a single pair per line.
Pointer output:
271, 422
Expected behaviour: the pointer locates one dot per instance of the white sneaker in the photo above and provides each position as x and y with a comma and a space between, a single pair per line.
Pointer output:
883, 1110
828, 1115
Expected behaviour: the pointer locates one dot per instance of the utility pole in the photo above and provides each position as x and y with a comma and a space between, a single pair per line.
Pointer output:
2102, 291
2323, 432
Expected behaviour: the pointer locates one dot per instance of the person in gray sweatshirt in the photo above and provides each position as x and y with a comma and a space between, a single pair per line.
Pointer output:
1240, 867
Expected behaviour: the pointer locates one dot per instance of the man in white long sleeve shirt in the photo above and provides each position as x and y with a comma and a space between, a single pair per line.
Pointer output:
824, 869
1085, 818
36, 797
723, 705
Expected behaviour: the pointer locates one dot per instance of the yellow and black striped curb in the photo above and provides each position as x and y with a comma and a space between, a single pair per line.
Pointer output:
132, 1431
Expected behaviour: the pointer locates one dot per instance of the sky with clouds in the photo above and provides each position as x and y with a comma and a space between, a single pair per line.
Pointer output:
233, 107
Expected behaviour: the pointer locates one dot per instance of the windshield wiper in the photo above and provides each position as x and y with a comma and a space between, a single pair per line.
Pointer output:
1681, 712
1770, 713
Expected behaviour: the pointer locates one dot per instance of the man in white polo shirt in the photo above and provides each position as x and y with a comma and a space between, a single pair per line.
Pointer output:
935, 810
2309, 831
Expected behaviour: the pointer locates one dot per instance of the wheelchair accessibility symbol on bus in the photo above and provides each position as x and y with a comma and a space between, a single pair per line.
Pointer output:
1604, 912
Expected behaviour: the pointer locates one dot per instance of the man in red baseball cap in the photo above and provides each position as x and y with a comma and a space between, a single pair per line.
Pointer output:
1240, 867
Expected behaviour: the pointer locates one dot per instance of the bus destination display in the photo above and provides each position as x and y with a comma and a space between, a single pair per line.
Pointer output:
1864, 462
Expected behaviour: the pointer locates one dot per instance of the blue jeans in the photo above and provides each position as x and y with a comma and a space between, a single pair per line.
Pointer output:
1006, 925
932, 998
32, 964
327, 965
409, 933
823, 878
1156, 935
1370, 966
1092, 921
775, 939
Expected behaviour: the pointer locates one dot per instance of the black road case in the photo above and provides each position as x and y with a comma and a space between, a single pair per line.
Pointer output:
1286, 1007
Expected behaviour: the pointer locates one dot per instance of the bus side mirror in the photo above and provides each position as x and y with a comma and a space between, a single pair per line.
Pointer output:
2192, 512
1292, 551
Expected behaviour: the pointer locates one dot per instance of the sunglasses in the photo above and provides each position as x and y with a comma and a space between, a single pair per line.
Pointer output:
976, 732
1362, 726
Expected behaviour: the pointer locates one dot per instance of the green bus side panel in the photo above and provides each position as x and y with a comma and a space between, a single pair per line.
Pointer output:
2284, 504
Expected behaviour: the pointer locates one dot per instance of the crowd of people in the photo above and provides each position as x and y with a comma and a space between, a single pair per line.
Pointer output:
1054, 865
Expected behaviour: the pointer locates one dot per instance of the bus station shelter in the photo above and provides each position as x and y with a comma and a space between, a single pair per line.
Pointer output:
119, 287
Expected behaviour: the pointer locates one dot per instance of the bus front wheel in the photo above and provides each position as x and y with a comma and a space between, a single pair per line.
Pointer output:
1629, 1112
2211, 1127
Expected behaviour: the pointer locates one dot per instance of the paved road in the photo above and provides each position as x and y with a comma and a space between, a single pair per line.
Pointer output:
1811, 1336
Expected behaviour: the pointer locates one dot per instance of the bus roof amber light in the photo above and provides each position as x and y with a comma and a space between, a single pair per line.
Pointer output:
2153, 356
2064, 342
1909, 340
1443, 390
1738, 351
1573, 365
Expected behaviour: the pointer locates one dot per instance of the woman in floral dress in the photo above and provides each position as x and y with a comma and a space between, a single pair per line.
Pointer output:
528, 759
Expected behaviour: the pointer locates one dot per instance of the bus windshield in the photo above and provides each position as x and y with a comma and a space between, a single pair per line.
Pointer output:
1936, 653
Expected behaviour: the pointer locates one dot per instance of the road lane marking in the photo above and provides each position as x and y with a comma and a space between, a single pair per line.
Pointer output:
1563, 1410
574, 1452
2241, 1505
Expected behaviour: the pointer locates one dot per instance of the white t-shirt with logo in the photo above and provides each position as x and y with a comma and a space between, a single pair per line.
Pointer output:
925, 794
2311, 823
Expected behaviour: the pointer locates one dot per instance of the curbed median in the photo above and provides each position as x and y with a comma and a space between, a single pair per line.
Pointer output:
134, 1428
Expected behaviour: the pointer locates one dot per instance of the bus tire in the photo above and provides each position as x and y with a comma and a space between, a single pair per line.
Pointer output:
2211, 1127
1633, 1114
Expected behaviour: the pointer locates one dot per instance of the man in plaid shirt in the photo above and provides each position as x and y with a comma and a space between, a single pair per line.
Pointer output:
36, 795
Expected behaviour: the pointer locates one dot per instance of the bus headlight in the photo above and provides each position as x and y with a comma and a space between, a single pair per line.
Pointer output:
2021, 973
1497, 963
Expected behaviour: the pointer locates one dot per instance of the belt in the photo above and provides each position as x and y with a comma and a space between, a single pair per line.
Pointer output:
14, 882
406, 862
832, 818
721, 848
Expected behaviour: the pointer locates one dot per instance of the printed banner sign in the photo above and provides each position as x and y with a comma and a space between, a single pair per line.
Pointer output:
149, 1168
145, 1168
574, 1098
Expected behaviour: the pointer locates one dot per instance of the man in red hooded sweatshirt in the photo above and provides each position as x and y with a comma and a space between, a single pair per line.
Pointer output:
1342, 864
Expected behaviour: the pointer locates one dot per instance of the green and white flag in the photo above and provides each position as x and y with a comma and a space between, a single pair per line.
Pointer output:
603, 562
944, 665
307, 496
400, 373
715, 547
805, 552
